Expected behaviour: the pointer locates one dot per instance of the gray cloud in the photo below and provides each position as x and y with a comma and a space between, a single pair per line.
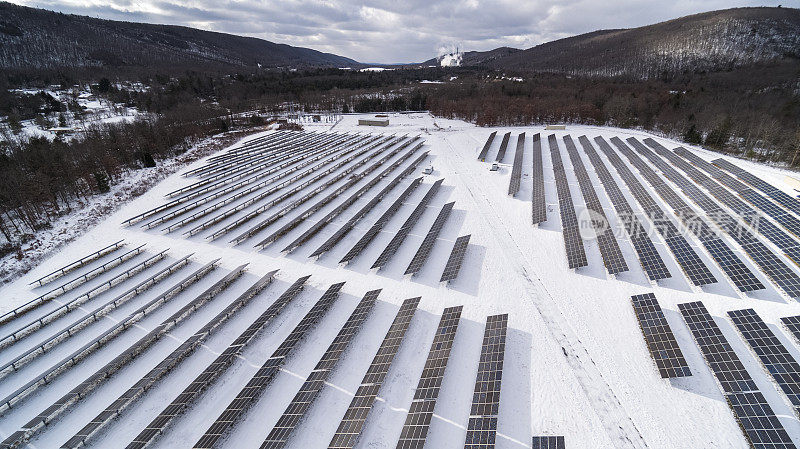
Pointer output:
389, 31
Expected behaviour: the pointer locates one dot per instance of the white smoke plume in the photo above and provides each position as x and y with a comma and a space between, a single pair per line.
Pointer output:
450, 55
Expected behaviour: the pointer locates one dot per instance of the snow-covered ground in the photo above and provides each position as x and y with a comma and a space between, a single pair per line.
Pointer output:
575, 364
85, 215
94, 110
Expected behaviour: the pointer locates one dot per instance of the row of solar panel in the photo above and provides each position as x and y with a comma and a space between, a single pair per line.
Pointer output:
486, 399
649, 258
89, 384
262, 182
450, 271
284, 152
339, 168
253, 184
573, 242
486, 146
771, 265
264, 207
695, 269
94, 314
335, 193
760, 425
773, 192
358, 194
606, 240
780, 215
72, 284
258, 145
347, 227
685, 255
788, 244
538, 204
240, 176
516, 169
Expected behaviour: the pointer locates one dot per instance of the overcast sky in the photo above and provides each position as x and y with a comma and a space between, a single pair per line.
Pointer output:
391, 31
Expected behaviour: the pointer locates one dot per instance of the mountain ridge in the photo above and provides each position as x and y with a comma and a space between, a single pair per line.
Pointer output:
32, 38
710, 41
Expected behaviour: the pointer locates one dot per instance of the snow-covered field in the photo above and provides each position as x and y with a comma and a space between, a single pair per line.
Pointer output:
575, 362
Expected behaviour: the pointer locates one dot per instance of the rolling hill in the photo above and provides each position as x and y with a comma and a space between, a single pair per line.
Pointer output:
712, 41
33, 38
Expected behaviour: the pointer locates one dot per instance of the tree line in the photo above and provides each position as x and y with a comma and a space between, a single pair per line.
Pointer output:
751, 112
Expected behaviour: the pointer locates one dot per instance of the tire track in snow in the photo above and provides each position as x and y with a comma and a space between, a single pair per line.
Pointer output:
616, 420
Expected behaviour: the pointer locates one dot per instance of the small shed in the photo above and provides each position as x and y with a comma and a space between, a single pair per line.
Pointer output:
371, 122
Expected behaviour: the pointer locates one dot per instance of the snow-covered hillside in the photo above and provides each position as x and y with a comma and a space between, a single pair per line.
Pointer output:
575, 361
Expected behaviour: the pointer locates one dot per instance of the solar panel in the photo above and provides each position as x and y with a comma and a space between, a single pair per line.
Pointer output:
690, 262
780, 364
344, 230
606, 241
482, 425
157, 426
72, 304
427, 244
236, 177
70, 285
781, 239
773, 192
93, 315
261, 184
539, 208
148, 380
501, 153
96, 379
793, 324
770, 264
380, 223
263, 377
739, 274
249, 158
516, 169
354, 179
105, 337
648, 256
302, 401
418, 420
333, 170
548, 442
573, 243
351, 425
82, 262
731, 265
402, 233
486, 146
284, 193
313, 230
455, 260
758, 422
256, 159
233, 159
761, 427
659, 337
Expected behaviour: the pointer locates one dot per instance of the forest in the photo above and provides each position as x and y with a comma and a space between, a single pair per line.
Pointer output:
750, 112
